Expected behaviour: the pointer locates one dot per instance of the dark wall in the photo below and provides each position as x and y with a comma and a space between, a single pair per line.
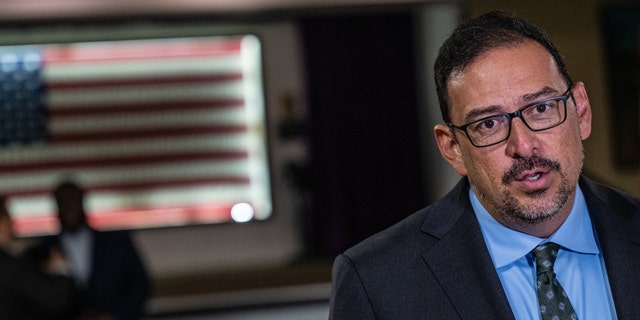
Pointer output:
366, 166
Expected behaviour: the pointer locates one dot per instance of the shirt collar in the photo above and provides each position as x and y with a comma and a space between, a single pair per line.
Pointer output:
507, 245
81, 233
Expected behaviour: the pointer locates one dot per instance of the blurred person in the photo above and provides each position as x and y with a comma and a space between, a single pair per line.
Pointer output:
524, 234
26, 292
112, 281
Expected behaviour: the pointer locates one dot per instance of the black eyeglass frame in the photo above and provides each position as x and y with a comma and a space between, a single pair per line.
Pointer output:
518, 113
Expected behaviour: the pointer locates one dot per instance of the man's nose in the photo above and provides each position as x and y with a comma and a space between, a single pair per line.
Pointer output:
522, 142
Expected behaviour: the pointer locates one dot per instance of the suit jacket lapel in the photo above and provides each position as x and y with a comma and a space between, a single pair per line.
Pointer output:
461, 262
617, 223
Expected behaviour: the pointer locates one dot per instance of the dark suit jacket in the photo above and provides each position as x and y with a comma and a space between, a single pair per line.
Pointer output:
27, 293
119, 283
435, 264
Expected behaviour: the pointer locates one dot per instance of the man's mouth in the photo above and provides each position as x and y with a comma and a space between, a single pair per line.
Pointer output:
529, 169
532, 177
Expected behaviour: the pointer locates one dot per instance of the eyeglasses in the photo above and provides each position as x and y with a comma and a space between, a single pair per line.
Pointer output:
537, 116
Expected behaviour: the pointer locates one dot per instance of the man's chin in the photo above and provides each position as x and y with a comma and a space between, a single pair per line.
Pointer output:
537, 194
530, 212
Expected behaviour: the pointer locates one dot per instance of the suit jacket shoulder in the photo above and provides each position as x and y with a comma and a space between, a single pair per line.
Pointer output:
616, 219
432, 265
119, 281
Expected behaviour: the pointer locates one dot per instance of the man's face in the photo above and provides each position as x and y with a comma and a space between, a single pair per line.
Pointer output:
70, 209
530, 178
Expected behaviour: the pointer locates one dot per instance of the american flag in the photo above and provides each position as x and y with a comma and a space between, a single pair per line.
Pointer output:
159, 132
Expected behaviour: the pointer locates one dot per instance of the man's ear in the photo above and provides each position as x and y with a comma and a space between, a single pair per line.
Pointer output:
583, 109
449, 148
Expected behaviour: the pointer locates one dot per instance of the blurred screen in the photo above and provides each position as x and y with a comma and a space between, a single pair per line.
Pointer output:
159, 132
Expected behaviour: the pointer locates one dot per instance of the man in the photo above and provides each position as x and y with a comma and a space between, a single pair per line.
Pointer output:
25, 291
515, 122
112, 280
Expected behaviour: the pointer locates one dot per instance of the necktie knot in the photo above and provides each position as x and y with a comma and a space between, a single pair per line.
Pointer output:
545, 256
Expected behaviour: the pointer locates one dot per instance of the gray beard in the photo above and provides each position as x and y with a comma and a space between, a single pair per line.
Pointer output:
535, 213
510, 209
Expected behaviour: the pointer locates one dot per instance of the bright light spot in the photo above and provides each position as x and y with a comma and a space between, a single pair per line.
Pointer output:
242, 212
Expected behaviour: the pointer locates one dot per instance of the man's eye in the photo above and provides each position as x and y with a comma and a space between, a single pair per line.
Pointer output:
488, 125
545, 107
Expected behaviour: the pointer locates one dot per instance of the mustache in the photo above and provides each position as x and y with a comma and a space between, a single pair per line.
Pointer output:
523, 164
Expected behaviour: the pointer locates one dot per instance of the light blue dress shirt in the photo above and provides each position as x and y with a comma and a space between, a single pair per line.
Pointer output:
579, 267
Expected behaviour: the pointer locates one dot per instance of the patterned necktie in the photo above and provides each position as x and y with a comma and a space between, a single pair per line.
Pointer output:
554, 303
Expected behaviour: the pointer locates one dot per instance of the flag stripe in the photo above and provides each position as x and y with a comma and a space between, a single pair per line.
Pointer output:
119, 161
163, 144
144, 94
122, 82
143, 185
176, 196
205, 118
34, 180
139, 50
130, 218
61, 73
132, 108
120, 134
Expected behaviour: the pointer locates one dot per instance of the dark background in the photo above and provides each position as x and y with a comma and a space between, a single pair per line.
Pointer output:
366, 168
